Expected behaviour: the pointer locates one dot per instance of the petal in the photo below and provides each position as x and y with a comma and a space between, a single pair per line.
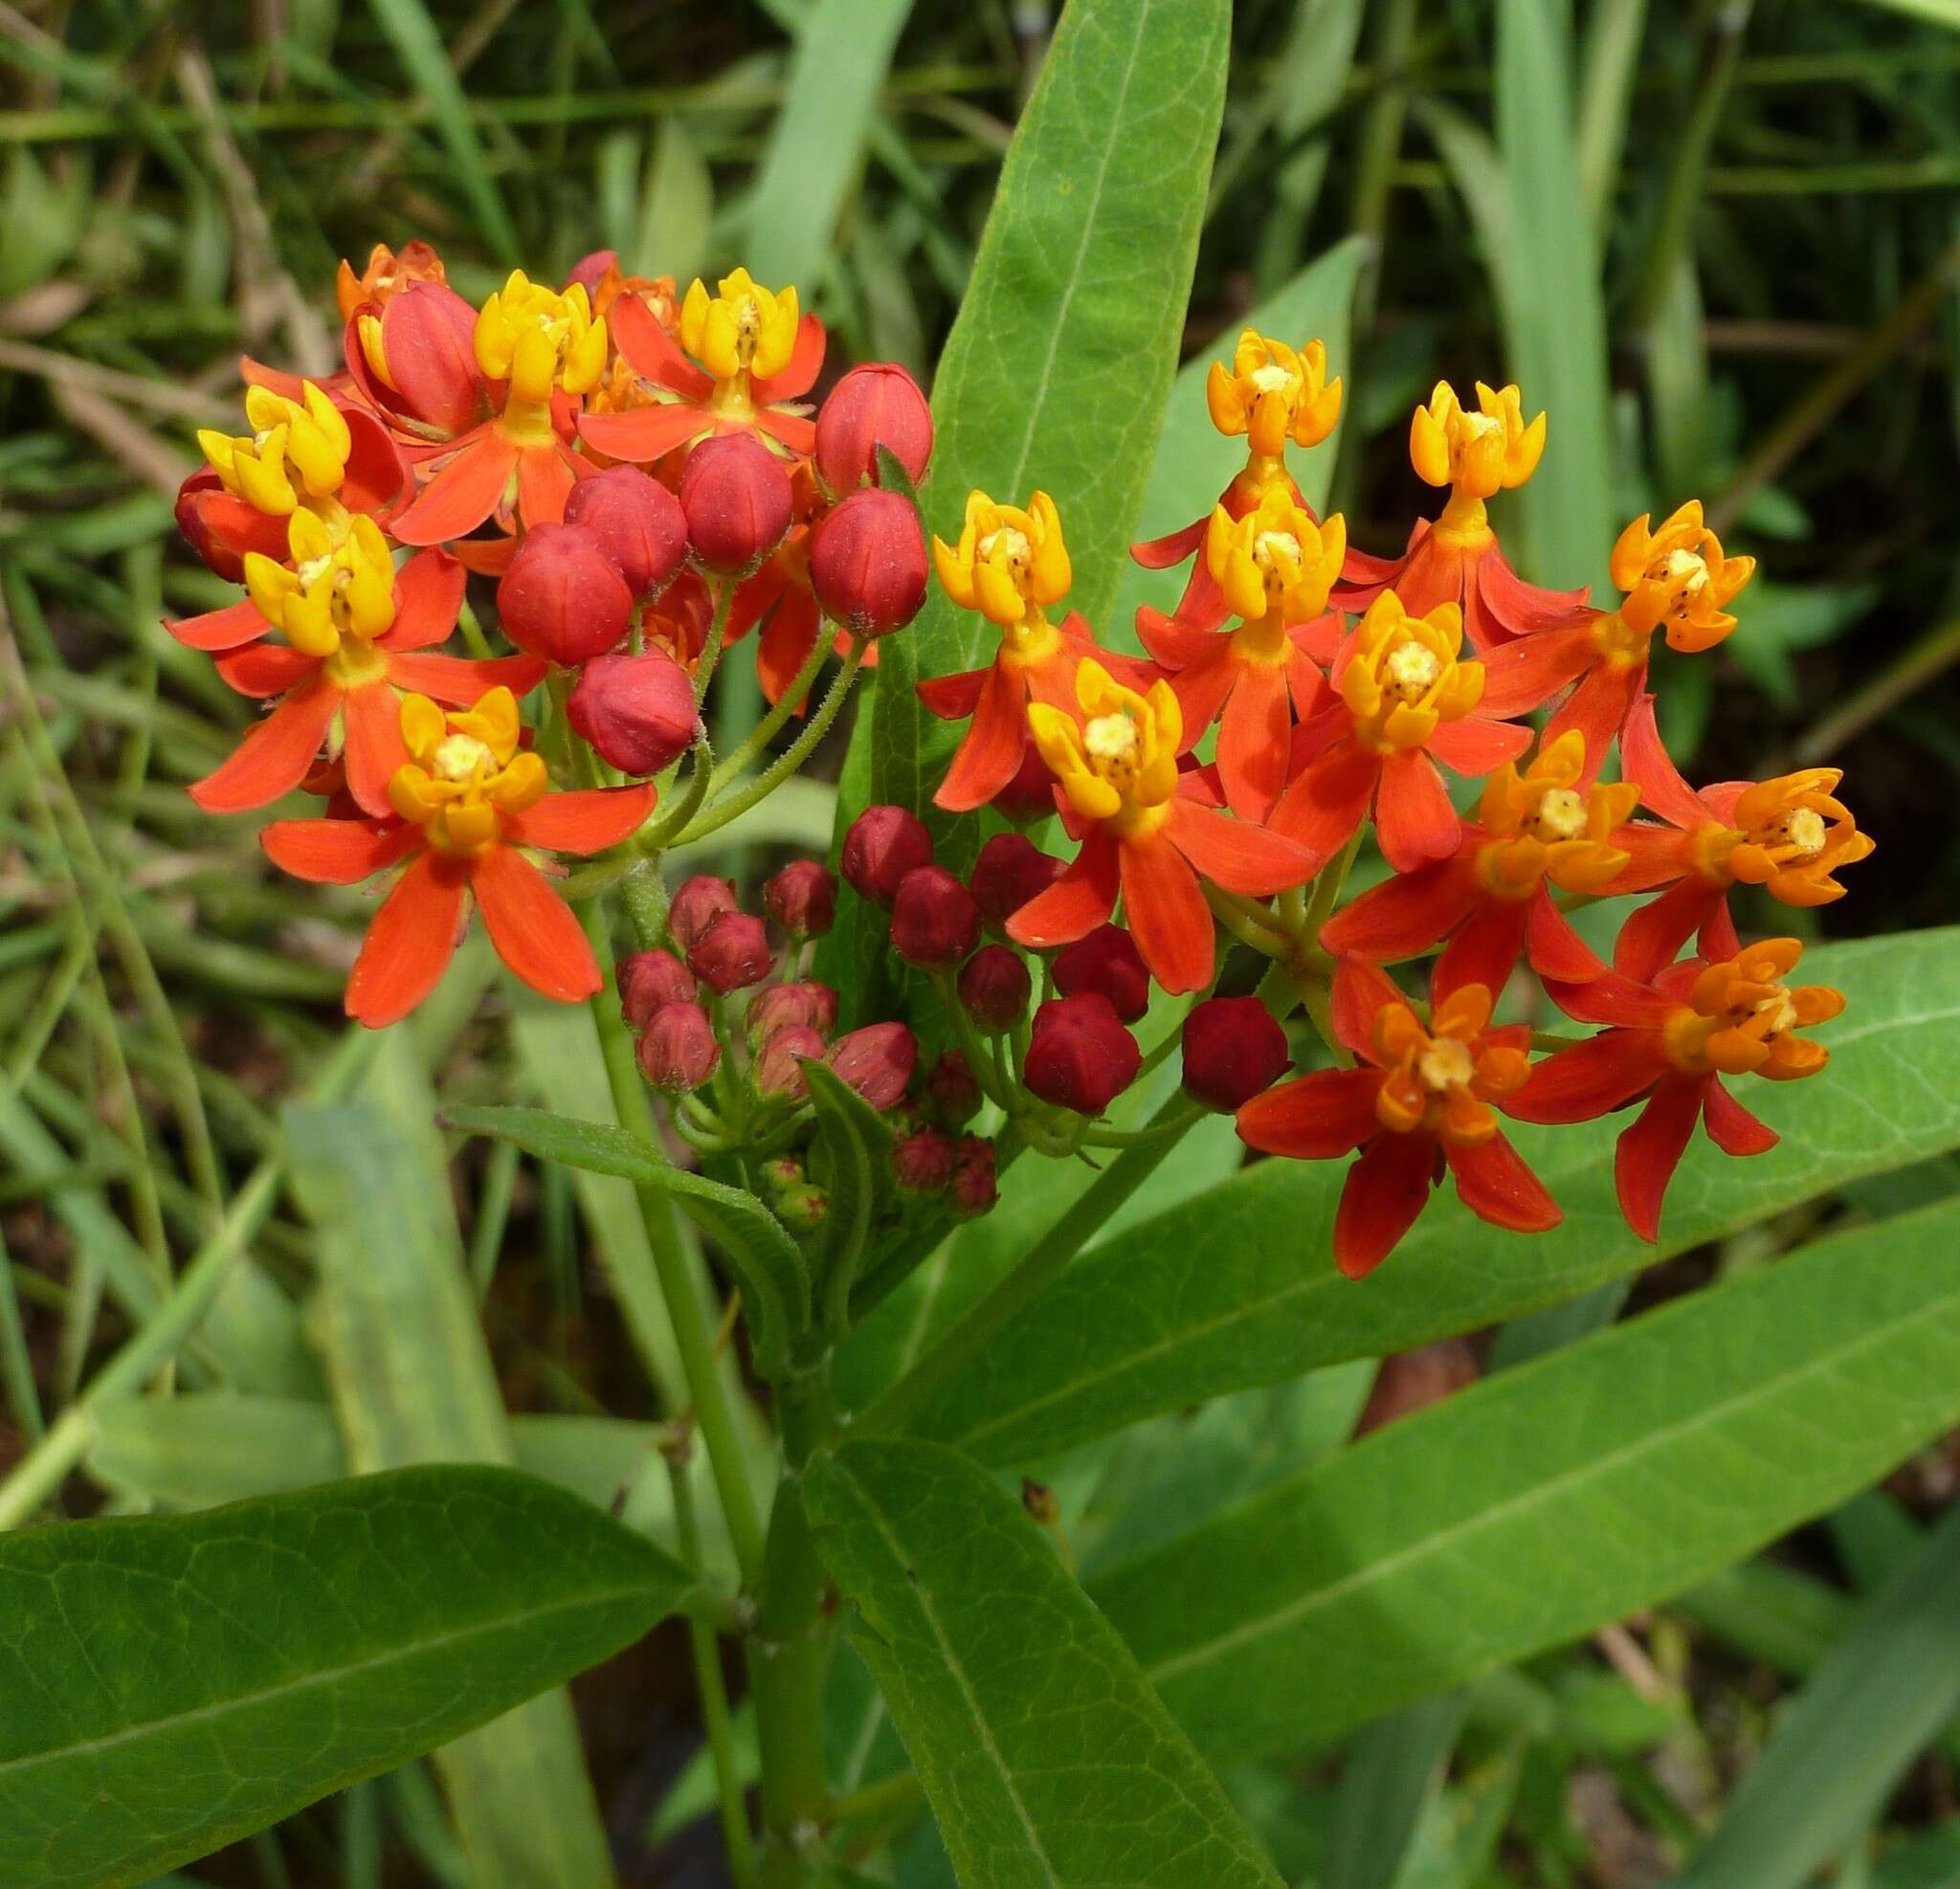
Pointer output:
428, 597
228, 629
643, 433
1617, 999
409, 946
800, 371
652, 352
1235, 854
1556, 950
1653, 935
460, 682
1646, 1155
1657, 856
954, 698
1170, 640
266, 669
1204, 685
375, 472
1173, 549
991, 755
1319, 1117
1384, 1192
1596, 708
1254, 740
1361, 992
532, 927
1413, 818
1080, 900
1643, 758
1493, 1183
375, 748
1166, 912
1485, 948
1732, 1127
1521, 609
338, 851
543, 482
799, 435
784, 644
1474, 746
1592, 1078
1322, 808
275, 756
463, 495
1519, 675
1718, 942
585, 820
1404, 915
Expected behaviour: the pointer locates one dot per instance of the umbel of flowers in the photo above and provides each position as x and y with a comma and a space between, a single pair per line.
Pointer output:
637, 478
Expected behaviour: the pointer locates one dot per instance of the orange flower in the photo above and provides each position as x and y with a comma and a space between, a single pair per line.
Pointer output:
1143, 835
466, 801
1671, 1040
1406, 700
750, 353
1419, 1101
1491, 898
1789, 836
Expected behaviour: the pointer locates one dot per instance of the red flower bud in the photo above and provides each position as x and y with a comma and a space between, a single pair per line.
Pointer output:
649, 979
1079, 1055
1234, 1049
876, 1061
678, 1052
974, 1189
878, 404
639, 522
923, 1161
994, 987
736, 495
1107, 959
563, 597
934, 919
802, 898
809, 1005
778, 1069
867, 562
697, 905
637, 711
883, 845
953, 1096
1010, 871
732, 953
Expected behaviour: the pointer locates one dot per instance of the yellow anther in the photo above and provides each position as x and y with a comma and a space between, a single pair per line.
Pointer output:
1276, 561
1009, 563
465, 769
743, 328
539, 340
1118, 762
1474, 452
1272, 394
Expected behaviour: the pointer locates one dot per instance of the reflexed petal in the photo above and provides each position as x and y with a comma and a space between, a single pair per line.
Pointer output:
1404, 915
532, 927
1493, 1183
1646, 1155
1171, 642
1235, 854
1323, 807
784, 644
652, 352
1173, 549
1643, 758
644, 432
1484, 950
1361, 990
276, 755
1474, 746
375, 748
338, 851
1731, 1126
1413, 818
1166, 912
1596, 708
1591, 1078
1652, 937
1384, 1192
954, 698
428, 597
265, 669
1556, 950
586, 820
799, 435
409, 943
991, 755
544, 480
800, 374
1254, 739
1521, 609
461, 681
1080, 900
228, 629
1319, 1117
1518, 675
463, 495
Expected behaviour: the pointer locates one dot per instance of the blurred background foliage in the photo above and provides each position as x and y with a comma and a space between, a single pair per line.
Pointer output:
1719, 242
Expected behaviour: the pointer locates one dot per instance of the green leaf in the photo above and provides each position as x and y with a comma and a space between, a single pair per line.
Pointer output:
174, 1685
1238, 1287
1193, 461
1860, 1720
854, 1145
816, 145
677, 206
768, 1263
1549, 1499
1047, 1760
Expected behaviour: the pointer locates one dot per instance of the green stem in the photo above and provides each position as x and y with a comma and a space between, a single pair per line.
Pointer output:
764, 732
693, 1334
984, 1322
1172, 1127
718, 631
732, 805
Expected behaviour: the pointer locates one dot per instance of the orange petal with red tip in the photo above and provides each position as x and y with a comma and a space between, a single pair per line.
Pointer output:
1519, 609
1485, 948
1319, 1117
1361, 990
1080, 900
1385, 1191
544, 480
275, 756
1173, 549
265, 669
644, 433
1474, 747
461, 681
338, 851
800, 371
1591, 1078
1733, 1128
463, 494
1415, 821
409, 946
1646, 1155
428, 597
1235, 854
1643, 758
1166, 912
1322, 808
1254, 739
990, 756
228, 629
1404, 915
1652, 937
652, 352
1519, 675
375, 749
1493, 1183
586, 820
531, 926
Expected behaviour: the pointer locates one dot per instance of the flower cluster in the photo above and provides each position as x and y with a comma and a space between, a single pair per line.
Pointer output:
636, 471
1302, 695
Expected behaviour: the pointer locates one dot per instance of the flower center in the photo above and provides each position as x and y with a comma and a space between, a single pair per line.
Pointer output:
1112, 745
1409, 672
1007, 547
1275, 551
1445, 1064
1273, 378
1802, 829
1684, 571
1560, 814
461, 758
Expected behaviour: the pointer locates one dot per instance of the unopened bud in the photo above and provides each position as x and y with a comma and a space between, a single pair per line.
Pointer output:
1079, 1055
995, 987
1010, 871
678, 1050
934, 919
786, 1170
649, 979
878, 404
1107, 959
952, 1095
802, 898
876, 1061
923, 1161
778, 1068
732, 953
974, 1188
638, 712
637, 522
700, 901
884, 843
867, 562
802, 1208
563, 597
1234, 1049
814, 1006
736, 495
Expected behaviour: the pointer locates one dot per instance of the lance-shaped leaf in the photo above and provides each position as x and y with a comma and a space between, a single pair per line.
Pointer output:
174, 1683
1238, 1286
767, 1262
1047, 1760
1549, 1499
